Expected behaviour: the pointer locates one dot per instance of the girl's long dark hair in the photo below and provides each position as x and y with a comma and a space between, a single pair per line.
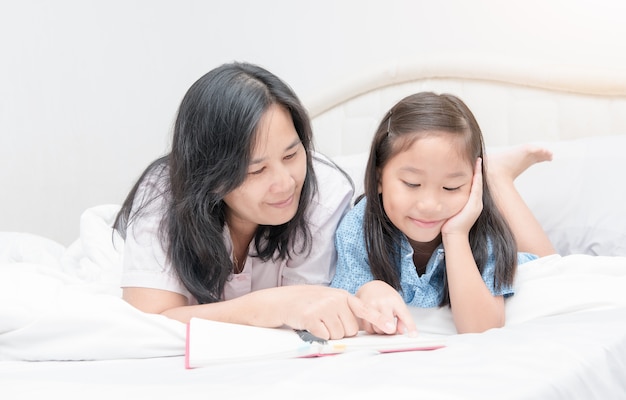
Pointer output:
411, 118
214, 135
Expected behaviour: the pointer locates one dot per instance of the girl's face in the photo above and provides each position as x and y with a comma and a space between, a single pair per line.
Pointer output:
425, 185
271, 192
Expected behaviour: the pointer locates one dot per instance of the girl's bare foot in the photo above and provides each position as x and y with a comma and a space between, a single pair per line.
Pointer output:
504, 167
510, 163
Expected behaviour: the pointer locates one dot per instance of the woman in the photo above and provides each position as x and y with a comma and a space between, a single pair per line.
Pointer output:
231, 225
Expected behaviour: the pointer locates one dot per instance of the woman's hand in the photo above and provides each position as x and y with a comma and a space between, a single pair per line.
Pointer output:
380, 296
331, 313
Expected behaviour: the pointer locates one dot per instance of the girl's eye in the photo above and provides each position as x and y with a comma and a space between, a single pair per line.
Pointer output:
451, 189
411, 185
290, 156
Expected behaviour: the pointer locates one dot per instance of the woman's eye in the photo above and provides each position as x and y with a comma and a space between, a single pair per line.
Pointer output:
290, 156
256, 171
451, 189
411, 185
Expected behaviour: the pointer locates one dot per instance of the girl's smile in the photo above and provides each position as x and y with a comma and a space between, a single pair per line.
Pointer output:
426, 224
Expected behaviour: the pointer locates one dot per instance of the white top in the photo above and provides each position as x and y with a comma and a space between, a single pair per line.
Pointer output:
145, 263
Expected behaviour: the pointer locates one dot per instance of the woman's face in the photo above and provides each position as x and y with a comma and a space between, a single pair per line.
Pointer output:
425, 185
270, 194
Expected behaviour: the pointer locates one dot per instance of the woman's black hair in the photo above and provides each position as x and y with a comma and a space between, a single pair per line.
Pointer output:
214, 135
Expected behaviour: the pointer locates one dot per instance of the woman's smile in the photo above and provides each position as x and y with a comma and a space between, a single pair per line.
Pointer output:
282, 203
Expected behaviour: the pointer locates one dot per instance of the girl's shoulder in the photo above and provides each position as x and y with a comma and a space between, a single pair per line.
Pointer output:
352, 222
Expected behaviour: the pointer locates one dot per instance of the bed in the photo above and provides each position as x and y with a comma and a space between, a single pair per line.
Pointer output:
65, 331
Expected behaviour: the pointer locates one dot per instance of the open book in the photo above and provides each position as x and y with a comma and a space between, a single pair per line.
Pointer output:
212, 342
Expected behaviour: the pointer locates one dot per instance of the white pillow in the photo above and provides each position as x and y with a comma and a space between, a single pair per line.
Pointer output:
579, 197
354, 165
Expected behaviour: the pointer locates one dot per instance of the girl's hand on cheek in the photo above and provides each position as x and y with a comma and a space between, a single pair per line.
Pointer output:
462, 222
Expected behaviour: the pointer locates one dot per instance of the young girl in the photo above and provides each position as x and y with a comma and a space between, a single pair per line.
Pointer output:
428, 225
231, 225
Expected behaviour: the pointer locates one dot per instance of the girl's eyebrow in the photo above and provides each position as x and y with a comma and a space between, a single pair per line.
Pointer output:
419, 171
293, 144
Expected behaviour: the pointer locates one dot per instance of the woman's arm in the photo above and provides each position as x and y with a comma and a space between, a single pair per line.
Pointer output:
325, 312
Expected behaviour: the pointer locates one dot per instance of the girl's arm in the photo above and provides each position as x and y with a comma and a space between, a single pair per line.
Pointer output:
474, 307
326, 312
354, 275
384, 298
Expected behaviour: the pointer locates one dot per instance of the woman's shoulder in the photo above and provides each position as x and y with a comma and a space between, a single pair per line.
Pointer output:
155, 182
333, 196
152, 191
326, 168
333, 184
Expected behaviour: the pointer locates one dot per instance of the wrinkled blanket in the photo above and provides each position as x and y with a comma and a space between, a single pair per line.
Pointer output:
61, 303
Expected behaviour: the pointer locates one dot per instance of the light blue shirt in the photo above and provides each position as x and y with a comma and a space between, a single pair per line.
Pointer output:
353, 268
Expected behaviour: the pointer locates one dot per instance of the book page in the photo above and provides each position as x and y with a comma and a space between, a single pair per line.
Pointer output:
212, 342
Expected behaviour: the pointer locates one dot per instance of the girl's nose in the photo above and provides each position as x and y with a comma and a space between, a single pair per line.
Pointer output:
428, 202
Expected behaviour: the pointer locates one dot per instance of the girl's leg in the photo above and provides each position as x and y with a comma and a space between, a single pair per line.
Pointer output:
503, 168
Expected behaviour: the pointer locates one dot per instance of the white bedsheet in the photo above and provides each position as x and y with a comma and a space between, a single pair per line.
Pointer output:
565, 335
568, 356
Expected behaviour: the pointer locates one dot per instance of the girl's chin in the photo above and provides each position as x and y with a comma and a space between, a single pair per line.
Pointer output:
424, 237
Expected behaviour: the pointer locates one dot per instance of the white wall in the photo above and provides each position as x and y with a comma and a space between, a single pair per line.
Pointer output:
89, 89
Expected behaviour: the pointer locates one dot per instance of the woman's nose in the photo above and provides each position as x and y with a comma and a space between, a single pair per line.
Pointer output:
282, 180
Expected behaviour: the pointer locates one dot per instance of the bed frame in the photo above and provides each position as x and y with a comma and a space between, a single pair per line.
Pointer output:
513, 101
